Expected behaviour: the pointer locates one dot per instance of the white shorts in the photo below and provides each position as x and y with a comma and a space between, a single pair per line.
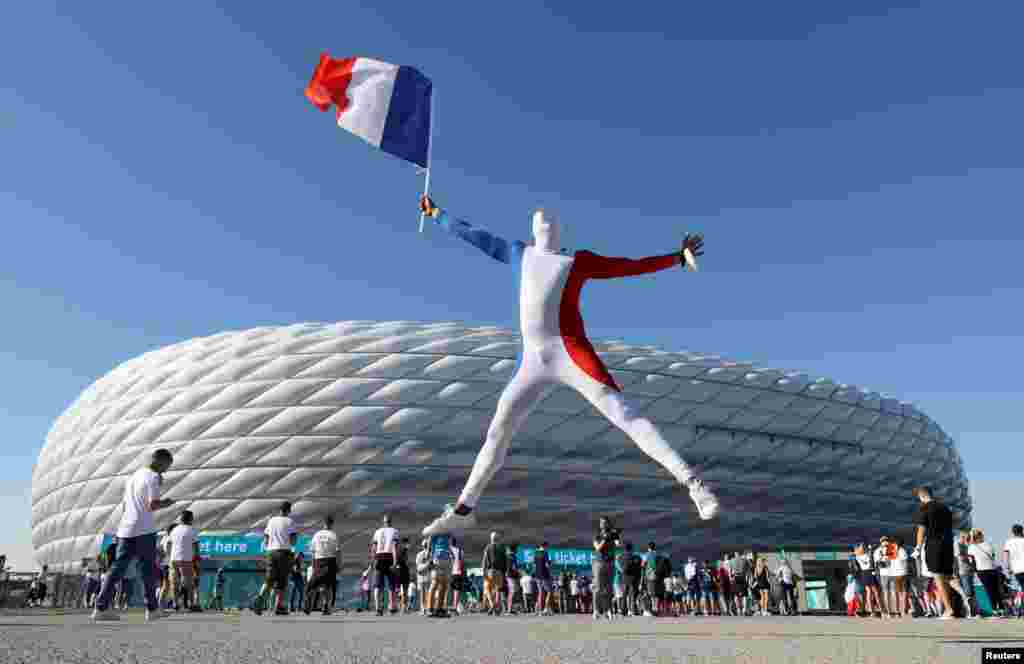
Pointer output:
619, 590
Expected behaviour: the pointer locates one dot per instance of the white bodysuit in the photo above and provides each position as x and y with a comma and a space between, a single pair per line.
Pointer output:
556, 350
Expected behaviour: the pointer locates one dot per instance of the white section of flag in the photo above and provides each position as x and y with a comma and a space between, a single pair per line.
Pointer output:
369, 96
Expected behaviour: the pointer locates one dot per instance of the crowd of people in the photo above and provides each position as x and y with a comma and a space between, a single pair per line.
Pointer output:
934, 577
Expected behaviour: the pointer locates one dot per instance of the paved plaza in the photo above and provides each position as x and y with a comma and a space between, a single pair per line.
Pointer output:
30, 638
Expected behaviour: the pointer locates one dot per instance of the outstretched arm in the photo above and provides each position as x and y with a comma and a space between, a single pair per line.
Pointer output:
496, 247
595, 266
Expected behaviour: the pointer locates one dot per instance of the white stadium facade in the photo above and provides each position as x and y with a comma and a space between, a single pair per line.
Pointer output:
362, 418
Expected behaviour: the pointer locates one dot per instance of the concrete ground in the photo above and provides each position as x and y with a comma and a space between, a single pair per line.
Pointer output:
55, 636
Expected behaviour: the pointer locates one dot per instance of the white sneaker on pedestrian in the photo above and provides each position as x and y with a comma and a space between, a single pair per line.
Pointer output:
648, 614
703, 498
104, 616
450, 522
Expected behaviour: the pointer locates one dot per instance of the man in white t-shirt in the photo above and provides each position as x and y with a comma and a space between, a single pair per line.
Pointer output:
136, 536
184, 547
326, 561
384, 549
278, 539
1013, 552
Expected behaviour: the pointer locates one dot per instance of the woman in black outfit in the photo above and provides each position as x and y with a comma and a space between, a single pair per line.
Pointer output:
762, 584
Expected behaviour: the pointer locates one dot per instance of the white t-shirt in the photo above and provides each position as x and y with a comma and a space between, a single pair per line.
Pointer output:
984, 556
527, 583
324, 544
690, 570
384, 539
898, 567
1015, 547
785, 573
182, 539
137, 518
574, 587
309, 574
670, 584
279, 531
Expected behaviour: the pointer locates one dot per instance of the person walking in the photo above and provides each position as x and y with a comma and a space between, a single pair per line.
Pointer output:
279, 537
984, 555
966, 573
384, 548
184, 546
545, 585
494, 563
934, 524
136, 536
326, 563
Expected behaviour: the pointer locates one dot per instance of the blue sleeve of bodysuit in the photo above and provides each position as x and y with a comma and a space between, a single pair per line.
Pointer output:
496, 247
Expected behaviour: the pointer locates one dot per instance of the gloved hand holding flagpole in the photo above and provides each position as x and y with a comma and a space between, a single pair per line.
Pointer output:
388, 106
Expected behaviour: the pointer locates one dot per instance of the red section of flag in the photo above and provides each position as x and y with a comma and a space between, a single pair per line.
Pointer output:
330, 82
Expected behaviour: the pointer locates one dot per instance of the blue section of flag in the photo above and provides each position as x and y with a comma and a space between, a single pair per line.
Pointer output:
407, 128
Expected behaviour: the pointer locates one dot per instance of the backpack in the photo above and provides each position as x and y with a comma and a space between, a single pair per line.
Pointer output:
663, 567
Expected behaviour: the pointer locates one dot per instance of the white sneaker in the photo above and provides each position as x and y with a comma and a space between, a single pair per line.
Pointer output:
648, 614
610, 615
450, 522
703, 498
104, 616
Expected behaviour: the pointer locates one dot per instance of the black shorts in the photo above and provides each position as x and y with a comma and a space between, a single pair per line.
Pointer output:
938, 556
382, 565
279, 567
325, 572
868, 579
403, 575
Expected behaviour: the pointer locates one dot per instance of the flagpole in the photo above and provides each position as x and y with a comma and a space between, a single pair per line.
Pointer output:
430, 150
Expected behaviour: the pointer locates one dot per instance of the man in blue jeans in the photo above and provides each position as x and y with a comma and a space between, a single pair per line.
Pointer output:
136, 536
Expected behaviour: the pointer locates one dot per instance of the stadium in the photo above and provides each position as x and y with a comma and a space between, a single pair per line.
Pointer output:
362, 418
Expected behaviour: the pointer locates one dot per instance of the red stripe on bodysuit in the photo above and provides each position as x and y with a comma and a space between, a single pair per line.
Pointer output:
588, 265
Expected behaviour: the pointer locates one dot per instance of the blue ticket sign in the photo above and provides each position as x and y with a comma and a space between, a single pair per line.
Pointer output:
249, 545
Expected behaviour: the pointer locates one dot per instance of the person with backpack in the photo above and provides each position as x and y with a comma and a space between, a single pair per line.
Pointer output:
441, 556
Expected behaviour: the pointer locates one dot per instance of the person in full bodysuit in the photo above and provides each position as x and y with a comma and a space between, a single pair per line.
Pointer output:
556, 352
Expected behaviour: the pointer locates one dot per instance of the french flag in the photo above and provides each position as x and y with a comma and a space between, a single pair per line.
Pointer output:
386, 105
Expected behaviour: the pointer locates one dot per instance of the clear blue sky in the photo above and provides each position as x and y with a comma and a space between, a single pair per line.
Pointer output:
858, 177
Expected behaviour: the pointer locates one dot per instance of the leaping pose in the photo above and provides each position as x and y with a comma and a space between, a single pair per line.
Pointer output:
556, 352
